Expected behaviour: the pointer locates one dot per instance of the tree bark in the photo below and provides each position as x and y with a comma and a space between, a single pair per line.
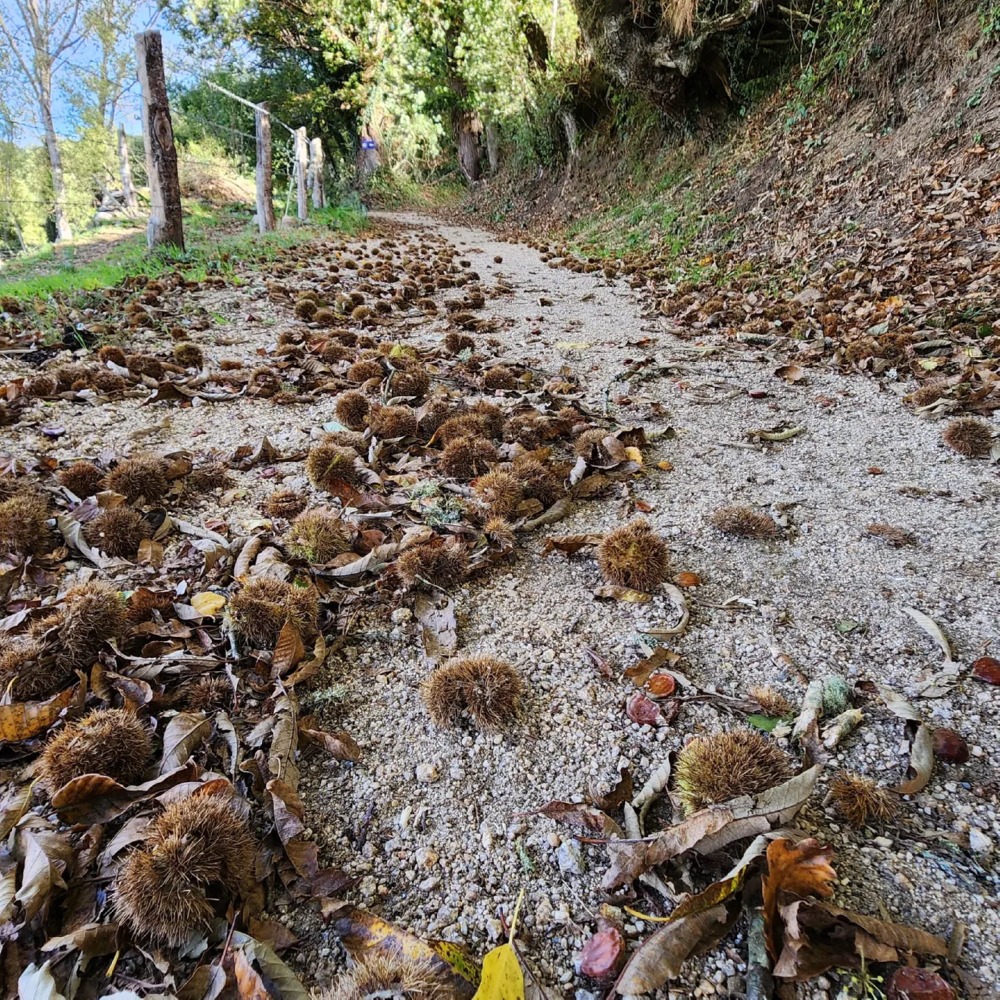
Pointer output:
468, 146
316, 173
63, 230
493, 146
165, 226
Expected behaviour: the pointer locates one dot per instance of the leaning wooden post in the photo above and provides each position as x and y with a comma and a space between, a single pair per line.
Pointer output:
165, 226
301, 168
125, 170
265, 202
316, 172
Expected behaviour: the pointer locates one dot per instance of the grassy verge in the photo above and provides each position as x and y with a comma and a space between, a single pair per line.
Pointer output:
217, 242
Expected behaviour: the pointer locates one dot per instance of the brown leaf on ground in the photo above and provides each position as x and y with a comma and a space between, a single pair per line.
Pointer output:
802, 870
289, 650
819, 936
185, 732
618, 796
362, 933
289, 822
711, 829
599, 662
569, 543
921, 761
246, 457
89, 940
640, 672
249, 985
660, 957
893, 536
438, 627
47, 858
21, 720
578, 814
339, 744
96, 798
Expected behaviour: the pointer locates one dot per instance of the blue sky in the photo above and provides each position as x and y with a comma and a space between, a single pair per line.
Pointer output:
75, 66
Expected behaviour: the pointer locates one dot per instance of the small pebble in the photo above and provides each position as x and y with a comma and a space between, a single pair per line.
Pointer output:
427, 773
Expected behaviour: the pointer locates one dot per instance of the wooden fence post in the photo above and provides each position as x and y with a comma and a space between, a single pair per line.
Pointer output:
316, 172
125, 170
301, 170
165, 225
265, 202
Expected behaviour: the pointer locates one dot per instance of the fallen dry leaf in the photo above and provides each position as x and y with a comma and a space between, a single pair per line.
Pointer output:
793, 869
660, 957
711, 829
96, 798
21, 720
570, 543
580, 815
207, 603
362, 932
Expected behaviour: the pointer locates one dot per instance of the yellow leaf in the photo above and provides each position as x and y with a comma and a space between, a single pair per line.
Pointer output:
457, 958
208, 604
502, 976
665, 466
634, 455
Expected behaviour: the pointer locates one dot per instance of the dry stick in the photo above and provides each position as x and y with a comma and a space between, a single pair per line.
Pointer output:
760, 982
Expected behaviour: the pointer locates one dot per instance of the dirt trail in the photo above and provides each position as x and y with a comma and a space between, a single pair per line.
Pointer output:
441, 854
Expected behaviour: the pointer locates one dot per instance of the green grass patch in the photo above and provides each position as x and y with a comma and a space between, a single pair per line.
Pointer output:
214, 245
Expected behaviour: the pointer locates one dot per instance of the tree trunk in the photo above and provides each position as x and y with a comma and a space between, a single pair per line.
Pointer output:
468, 146
63, 230
125, 171
316, 173
493, 146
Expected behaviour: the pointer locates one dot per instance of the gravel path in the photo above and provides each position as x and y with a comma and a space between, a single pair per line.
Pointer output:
448, 844
443, 854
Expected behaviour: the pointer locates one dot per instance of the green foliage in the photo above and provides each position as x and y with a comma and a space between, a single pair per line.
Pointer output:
408, 70
834, 38
861, 984
989, 20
